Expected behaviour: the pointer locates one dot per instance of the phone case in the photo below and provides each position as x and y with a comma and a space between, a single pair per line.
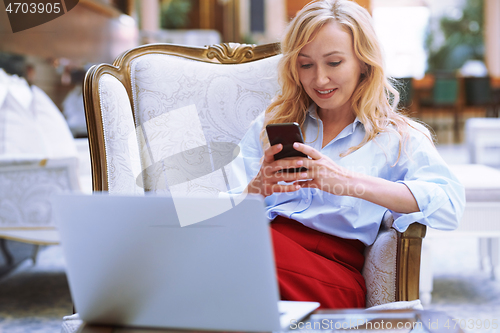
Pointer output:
286, 134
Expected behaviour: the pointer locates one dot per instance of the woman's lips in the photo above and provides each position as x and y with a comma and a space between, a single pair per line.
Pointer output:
325, 93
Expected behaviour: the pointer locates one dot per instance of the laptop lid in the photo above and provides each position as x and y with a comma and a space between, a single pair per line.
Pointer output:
130, 262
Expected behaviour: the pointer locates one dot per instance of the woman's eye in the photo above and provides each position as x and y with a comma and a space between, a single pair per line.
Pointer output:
334, 64
305, 66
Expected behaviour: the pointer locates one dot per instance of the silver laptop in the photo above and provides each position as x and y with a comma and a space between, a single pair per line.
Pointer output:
131, 262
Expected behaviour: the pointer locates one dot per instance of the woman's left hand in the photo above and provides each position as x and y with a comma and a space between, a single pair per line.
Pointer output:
330, 177
325, 174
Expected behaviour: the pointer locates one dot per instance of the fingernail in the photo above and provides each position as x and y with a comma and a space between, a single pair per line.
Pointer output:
295, 145
304, 175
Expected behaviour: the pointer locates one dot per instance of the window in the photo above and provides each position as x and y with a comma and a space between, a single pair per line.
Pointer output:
257, 15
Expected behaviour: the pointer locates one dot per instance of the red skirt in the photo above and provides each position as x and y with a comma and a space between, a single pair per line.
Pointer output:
314, 266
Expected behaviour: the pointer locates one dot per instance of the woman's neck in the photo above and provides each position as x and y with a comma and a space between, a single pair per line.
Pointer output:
334, 122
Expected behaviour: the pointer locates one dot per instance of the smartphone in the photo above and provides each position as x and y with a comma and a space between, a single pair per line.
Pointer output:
286, 134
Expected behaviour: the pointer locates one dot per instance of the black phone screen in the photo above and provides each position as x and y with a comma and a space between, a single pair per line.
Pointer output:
286, 134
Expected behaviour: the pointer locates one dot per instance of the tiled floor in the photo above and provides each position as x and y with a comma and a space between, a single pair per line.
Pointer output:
34, 298
461, 288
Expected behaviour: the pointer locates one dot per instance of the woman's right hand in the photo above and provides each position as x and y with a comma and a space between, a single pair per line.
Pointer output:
270, 173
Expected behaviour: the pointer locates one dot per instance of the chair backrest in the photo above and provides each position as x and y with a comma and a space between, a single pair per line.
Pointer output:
477, 91
161, 101
445, 91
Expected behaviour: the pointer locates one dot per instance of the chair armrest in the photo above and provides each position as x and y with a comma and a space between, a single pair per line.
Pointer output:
408, 262
379, 270
392, 264
21, 160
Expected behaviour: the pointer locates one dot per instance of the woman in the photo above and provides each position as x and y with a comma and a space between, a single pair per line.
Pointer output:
364, 158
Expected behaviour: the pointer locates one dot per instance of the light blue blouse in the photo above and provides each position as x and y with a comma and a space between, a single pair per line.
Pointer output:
440, 196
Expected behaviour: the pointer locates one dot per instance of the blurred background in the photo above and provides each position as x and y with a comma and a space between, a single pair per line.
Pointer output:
432, 47
444, 57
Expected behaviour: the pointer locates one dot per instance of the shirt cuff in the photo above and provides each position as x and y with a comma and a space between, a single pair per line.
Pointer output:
429, 196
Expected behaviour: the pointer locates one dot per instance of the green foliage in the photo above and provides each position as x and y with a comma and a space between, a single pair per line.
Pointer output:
248, 39
463, 39
175, 13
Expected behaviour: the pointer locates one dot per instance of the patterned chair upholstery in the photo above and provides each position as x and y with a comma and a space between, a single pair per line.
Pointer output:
161, 100
26, 184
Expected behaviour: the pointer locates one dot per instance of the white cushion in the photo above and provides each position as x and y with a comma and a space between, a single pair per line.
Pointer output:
221, 101
481, 182
56, 136
19, 130
122, 152
401, 305
30, 123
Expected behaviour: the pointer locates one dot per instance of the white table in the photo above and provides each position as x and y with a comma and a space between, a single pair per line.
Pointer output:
481, 219
481, 133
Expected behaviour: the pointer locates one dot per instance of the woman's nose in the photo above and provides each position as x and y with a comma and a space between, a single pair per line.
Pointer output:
321, 77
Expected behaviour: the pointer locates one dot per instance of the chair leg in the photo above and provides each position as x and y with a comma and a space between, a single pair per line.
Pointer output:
426, 274
35, 254
456, 127
5, 252
495, 258
489, 254
484, 254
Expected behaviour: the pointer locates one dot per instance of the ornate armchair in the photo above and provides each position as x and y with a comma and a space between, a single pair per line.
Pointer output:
161, 100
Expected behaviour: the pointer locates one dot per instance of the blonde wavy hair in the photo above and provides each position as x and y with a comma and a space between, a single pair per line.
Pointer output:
374, 101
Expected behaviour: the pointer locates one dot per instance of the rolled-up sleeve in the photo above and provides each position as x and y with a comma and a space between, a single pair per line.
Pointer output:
439, 194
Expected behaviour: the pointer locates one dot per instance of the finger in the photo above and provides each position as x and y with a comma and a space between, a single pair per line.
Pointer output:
271, 170
285, 188
271, 151
298, 164
291, 176
305, 163
309, 151
309, 184
292, 162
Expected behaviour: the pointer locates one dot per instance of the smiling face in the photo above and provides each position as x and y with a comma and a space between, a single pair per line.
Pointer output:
328, 69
